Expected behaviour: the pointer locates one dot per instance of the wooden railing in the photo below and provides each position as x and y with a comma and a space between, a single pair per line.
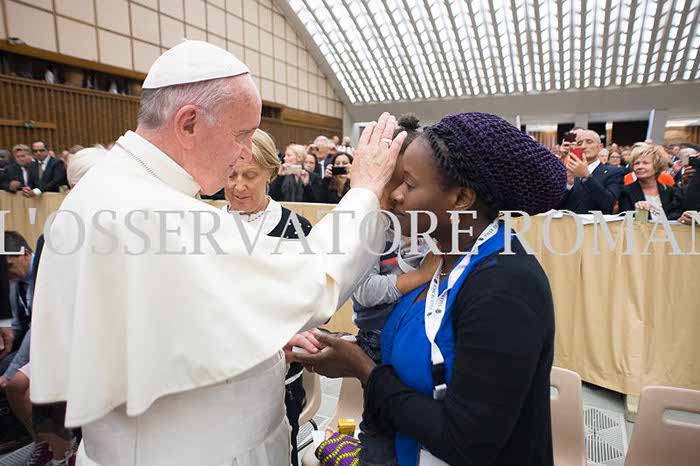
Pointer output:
61, 115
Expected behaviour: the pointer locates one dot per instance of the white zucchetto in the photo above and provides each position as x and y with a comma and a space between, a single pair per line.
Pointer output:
193, 61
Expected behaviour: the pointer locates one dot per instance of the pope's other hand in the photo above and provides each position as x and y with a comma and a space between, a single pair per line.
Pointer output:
304, 340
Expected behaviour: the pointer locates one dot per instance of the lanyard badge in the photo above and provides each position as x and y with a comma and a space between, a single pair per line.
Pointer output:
436, 305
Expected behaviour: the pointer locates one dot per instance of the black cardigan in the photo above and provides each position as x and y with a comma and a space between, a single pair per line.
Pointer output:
497, 408
310, 190
671, 199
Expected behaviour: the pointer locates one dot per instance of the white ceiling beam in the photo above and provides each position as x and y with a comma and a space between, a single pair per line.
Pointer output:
354, 57
461, 67
314, 49
630, 29
387, 73
442, 56
582, 45
518, 43
405, 45
691, 33
606, 35
499, 71
653, 40
413, 25
383, 46
538, 32
560, 19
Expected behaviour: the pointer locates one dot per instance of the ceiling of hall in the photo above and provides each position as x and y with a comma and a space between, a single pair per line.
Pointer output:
406, 50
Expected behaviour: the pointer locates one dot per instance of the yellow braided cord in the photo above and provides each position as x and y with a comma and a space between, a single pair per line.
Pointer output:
347, 455
337, 450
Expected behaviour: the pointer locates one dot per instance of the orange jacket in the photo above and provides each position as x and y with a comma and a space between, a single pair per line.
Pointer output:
664, 178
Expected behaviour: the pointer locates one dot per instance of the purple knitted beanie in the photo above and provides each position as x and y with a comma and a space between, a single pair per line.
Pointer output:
506, 167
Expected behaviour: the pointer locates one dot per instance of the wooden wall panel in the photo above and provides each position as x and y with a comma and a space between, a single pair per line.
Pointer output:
62, 115
288, 132
683, 134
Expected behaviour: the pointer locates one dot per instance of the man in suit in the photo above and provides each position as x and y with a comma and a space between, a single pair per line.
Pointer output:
52, 172
591, 185
7, 335
324, 148
21, 286
23, 174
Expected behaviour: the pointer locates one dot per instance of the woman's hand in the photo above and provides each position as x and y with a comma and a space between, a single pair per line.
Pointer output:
329, 171
283, 169
305, 340
687, 218
304, 177
339, 358
642, 205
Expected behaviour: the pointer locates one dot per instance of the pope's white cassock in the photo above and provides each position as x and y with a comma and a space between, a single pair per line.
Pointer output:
165, 342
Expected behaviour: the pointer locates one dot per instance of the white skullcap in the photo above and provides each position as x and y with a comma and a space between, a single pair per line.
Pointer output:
193, 61
82, 161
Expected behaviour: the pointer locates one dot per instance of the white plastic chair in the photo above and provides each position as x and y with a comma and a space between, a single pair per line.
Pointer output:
659, 441
568, 428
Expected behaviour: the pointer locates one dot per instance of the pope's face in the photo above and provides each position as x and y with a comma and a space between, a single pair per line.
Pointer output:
230, 137
246, 186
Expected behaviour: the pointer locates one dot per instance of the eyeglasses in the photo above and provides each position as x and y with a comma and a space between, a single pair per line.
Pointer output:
38, 150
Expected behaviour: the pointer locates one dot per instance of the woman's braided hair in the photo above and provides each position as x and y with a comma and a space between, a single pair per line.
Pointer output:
506, 168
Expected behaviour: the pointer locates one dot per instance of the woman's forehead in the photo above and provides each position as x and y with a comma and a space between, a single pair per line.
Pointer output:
247, 165
418, 157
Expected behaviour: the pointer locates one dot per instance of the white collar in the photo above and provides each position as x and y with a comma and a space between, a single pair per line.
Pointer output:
158, 163
269, 220
592, 166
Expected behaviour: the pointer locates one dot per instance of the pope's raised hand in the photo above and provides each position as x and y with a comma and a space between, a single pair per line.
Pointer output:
376, 154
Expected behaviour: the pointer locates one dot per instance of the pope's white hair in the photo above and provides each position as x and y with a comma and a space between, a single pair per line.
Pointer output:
159, 105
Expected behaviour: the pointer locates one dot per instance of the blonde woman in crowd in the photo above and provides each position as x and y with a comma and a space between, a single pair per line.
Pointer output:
648, 161
294, 183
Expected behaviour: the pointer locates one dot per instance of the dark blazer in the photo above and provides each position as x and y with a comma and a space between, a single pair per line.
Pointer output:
692, 190
13, 172
327, 196
5, 308
54, 176
598, 192
671, 199
310, 190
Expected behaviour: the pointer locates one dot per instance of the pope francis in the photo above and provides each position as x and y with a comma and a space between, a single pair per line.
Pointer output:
159, 319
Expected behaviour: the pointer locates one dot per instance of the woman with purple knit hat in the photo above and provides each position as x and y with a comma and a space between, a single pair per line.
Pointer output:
466, 359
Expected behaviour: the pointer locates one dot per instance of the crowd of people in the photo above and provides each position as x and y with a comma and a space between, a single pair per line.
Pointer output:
646, 176
118, 351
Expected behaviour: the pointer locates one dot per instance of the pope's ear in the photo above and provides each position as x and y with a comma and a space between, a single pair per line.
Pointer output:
187, 120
